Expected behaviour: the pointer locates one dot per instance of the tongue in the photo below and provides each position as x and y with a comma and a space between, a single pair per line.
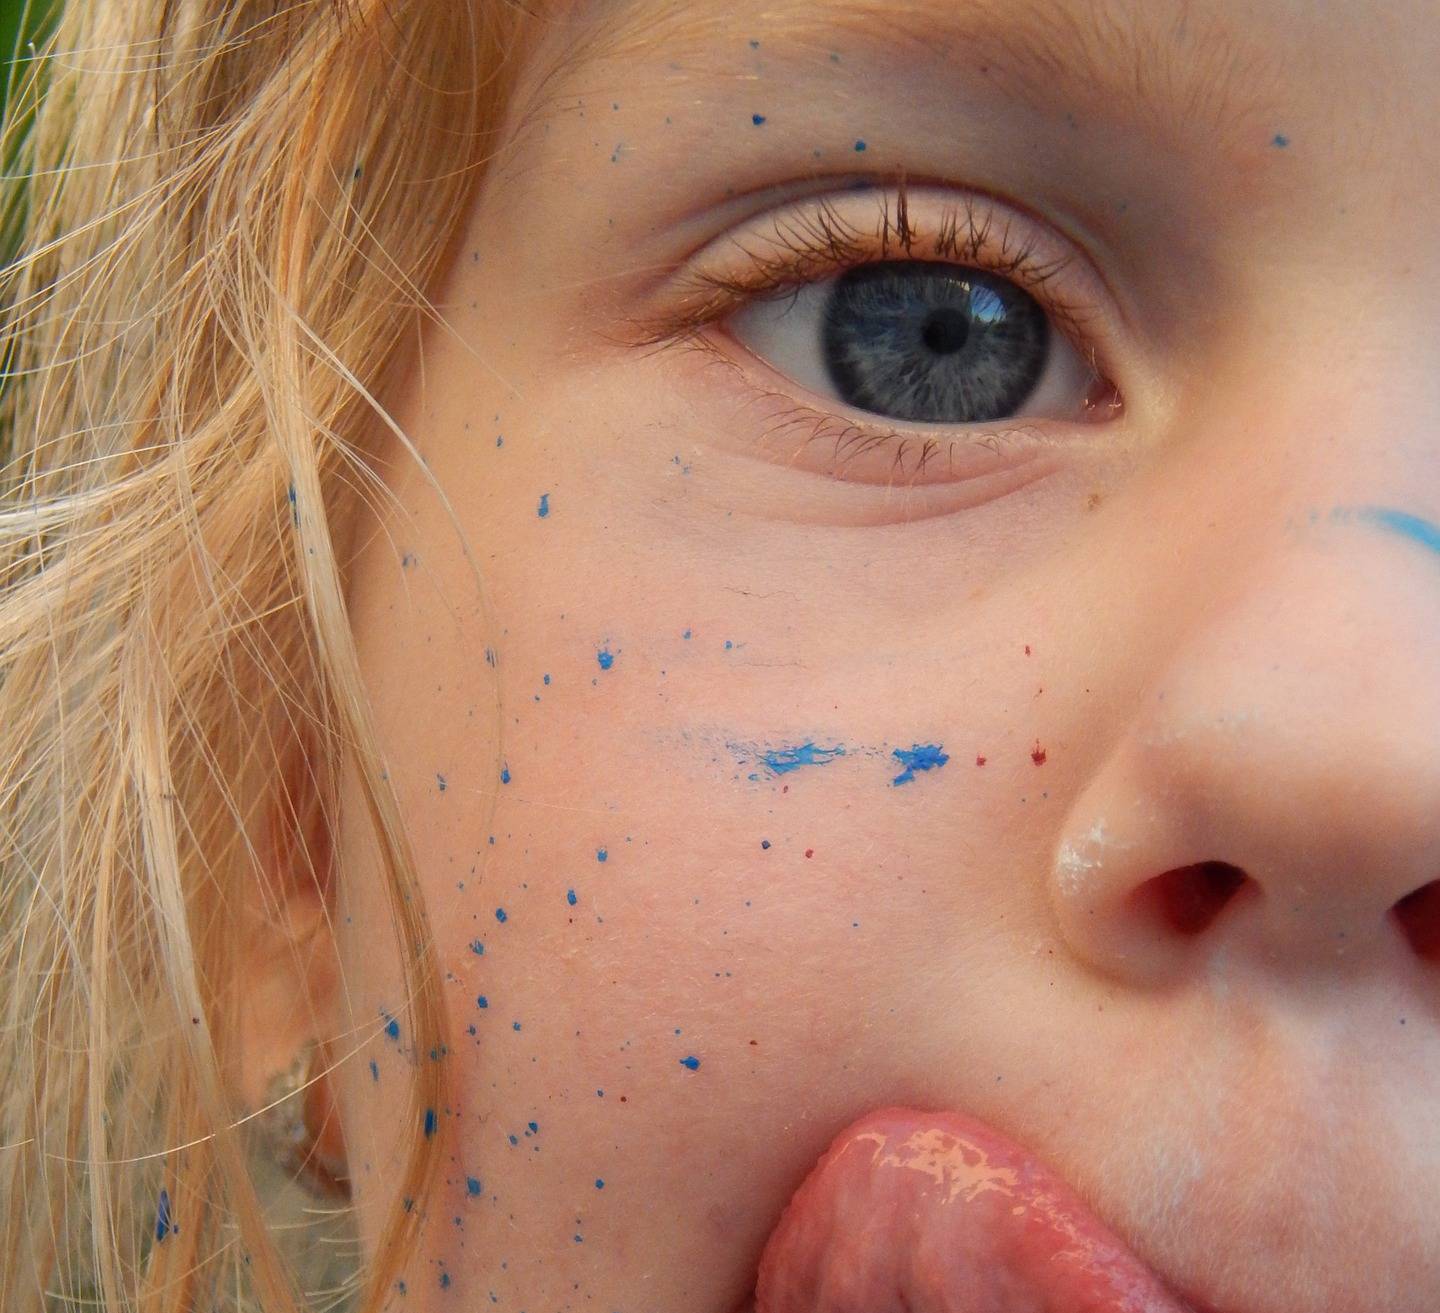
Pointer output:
911, 1212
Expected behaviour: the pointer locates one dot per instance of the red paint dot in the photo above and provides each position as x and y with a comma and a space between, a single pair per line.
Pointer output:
979, 761
809, 852
1038, 756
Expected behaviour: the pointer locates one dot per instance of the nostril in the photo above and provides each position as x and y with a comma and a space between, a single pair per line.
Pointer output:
1189, 898
1419, 916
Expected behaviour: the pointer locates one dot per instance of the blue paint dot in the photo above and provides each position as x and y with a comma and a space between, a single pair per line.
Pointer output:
514, 1025
686, 635
444, 1281
765, 843
481, 1001
544, 509
472, 1186
728, 644
691, 1062
477, 948
605, 657
500, 915
1280, 140
757, 119
374, 1070
545, 679
163, 1223
429, 1122
534, 1126
392, 1028
570, 897
505, 775
514, 1139
599, 1184
602, 854
859, 145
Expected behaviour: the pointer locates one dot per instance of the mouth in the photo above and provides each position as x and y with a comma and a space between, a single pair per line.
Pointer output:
937, 1212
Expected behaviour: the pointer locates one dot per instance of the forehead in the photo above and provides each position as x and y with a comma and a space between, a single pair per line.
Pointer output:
1180, 65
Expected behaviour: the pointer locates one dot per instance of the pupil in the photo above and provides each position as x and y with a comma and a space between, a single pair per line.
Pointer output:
946, 331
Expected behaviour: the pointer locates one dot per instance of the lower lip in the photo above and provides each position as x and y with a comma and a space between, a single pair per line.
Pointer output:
940, 1213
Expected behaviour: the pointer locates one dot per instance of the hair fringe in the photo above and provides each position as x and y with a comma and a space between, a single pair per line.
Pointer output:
216, 268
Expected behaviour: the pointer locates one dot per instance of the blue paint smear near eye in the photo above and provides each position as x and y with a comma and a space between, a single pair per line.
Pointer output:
544, 509
605, 657
163, 1225
693, 1063
782, 761
429, 1122
923, 756
1417, 530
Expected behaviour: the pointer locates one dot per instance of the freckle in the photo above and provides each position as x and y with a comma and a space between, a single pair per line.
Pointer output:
809, 852
979, 761
1027, 649
1038, 756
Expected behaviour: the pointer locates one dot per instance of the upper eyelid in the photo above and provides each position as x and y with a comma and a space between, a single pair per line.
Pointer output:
815, 237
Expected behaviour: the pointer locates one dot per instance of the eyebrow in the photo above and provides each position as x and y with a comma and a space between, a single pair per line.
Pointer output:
1175, 71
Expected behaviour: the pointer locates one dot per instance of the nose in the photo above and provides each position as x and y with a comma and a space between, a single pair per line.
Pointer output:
1273, 802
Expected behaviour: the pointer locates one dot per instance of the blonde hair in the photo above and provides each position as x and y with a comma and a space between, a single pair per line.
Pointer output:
234, 209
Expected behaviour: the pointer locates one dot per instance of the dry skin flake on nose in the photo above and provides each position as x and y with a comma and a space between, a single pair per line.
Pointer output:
935, 1212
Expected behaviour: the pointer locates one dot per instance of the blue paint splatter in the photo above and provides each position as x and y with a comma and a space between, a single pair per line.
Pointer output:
477, 948
163, 1224
472, 1186
481, 1001
781, 761
374, 1069
544, 509
429, 1122
923, 756
602, 854
500, 915
570, 897
392, 1027
692, 1062
1280, 141
757, 119
859, 145
505, 774
1417, 530
605, 657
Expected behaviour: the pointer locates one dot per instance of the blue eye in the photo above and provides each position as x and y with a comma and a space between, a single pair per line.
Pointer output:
922, 342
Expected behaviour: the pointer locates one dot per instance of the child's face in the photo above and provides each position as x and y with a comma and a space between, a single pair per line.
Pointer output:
861, 772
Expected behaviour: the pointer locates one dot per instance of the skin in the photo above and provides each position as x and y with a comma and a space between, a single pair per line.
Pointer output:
1166, 634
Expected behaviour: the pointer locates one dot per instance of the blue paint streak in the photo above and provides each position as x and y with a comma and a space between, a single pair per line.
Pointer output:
605, 657
544, 505
782, 761
1406, 525
923, 756
429, 1122
692, 1062
374, 1070
163, 1225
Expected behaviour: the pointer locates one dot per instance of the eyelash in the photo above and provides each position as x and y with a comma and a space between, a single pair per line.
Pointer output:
799, 248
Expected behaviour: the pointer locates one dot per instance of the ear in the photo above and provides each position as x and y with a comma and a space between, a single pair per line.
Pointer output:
287, 966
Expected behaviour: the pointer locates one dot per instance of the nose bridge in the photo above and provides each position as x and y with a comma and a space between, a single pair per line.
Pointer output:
1275, 796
